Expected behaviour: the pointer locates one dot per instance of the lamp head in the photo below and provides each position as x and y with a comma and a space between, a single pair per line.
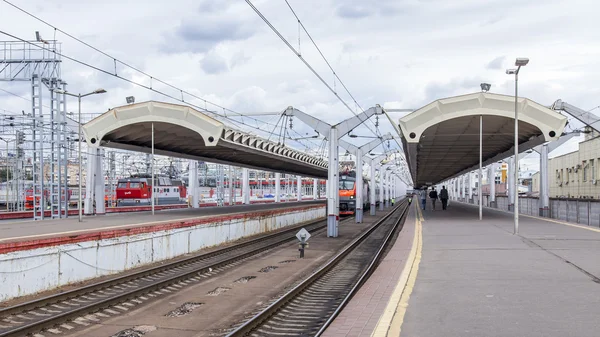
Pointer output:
521, 61
511, 71
485, 87
99, 91
60, 91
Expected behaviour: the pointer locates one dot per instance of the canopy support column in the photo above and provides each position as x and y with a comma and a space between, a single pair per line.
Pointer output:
510, 186
315, 189
299, 187
359, 187
372, 201
277, 187
231, 179
154, 187
245, 186
544, 183
193, 184
333, 203
381, 188
480, 175
492, 179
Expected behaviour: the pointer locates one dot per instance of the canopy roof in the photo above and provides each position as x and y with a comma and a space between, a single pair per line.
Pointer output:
441, 139
181, 131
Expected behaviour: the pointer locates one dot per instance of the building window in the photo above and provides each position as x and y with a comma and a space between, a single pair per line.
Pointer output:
585, 171
568, 178
593, 169
558, 180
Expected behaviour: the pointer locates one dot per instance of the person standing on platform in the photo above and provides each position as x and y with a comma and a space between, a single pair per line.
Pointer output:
444, 197
433, 195
423, 196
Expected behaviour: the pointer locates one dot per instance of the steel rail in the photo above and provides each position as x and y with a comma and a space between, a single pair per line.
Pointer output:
249, 326
53, 320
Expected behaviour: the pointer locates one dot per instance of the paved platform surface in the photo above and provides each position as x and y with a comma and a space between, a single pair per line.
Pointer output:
11, 231
478, 279
362, 314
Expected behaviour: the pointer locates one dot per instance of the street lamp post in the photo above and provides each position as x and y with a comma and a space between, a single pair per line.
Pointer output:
79, 96
520, 62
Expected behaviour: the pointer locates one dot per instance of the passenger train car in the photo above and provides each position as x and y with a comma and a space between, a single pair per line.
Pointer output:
138, 190
347, 193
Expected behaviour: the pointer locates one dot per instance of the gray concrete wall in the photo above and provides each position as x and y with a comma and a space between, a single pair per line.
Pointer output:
30, 271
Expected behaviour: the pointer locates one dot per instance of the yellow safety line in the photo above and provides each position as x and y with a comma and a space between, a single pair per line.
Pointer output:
391, 320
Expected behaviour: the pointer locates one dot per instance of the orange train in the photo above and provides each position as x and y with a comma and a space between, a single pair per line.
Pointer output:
347, 193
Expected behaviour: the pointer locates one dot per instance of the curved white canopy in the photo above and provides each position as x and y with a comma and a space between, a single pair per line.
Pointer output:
184, 132
441, 139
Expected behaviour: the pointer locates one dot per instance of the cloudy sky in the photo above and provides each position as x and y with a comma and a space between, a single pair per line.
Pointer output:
397, 53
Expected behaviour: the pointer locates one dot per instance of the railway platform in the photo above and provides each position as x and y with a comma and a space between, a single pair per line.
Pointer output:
468, 277
40, 256
15, 231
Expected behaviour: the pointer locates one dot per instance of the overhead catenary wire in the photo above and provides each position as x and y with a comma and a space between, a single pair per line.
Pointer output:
123, 63
152, 78
96, 114
92, 115
322, 55
307, 64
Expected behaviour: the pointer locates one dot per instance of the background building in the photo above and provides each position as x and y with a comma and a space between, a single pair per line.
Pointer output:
575, 174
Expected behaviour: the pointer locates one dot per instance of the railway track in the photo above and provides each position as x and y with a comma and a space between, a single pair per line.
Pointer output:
89, 304
309, 308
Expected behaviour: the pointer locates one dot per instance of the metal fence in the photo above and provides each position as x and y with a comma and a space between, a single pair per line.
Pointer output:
580, 211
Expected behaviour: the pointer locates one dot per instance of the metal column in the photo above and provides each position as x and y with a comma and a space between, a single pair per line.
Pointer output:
39, 199
388, 187
57, 150
381, 188
480, 176
220, 180
193, 184
470, 188
333, 204
492, 174
359, 187
99, 182
510, 184
299, 187
544, 183
63, 151
112, 171
372, 201
154, 184
277, 187
90, 180
245, 186
315, 189
231, 179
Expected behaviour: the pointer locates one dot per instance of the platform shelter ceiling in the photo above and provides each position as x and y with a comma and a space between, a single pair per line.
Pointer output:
181, 131
441, 139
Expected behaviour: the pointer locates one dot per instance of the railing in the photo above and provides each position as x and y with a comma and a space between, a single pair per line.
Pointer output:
580, 211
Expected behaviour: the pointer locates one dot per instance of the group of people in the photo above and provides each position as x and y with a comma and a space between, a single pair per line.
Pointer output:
433, 195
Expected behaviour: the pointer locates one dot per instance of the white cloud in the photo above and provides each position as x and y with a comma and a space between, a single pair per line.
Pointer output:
400, 54
213, 63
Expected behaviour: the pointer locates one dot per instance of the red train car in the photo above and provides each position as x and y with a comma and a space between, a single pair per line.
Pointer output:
138, 190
